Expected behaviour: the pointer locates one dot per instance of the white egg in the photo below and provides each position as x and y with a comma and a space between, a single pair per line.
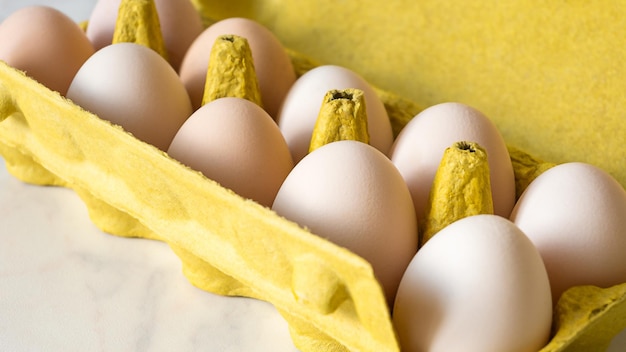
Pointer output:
134, 87
301, 107
575, 214
478, 285
418, 149
351, 194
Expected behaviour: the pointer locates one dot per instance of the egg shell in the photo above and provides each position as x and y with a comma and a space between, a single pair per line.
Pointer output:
273, 66
134, 87
301, 107
45, 43
351, 194
236, 143
575, 214
180, 25
419, 147
478, 285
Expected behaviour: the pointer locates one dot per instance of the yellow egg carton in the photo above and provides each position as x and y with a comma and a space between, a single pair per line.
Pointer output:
233, 246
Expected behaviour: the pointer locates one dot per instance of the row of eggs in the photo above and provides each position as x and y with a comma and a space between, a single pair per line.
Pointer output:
476, 273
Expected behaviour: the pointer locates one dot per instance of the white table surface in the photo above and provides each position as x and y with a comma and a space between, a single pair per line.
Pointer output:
67, 286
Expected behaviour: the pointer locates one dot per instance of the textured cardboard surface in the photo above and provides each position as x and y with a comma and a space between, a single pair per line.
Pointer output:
550, 74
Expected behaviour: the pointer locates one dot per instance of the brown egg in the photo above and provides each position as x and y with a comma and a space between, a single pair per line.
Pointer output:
272, 64
180, 25
45, 43
134, 87
236, 143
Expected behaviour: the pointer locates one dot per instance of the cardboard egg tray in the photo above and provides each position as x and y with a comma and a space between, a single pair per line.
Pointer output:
233, 246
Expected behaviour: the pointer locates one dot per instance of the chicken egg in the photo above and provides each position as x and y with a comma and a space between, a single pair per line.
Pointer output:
134, 87
351, 194
478, 285
301, 107
180, 25
575, 214
419, 147
273, 67
236, 143
45, 43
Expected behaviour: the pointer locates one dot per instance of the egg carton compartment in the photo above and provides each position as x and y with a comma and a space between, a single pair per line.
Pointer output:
230, 245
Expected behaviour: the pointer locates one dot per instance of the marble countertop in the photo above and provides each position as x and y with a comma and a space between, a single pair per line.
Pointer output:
67, 286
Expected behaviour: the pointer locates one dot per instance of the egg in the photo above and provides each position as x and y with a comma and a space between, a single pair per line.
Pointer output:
275, 72
301, 107
478, 285
419, 147
132, 86
575, 214
180, 25
45, 43
236, 143
351, 194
